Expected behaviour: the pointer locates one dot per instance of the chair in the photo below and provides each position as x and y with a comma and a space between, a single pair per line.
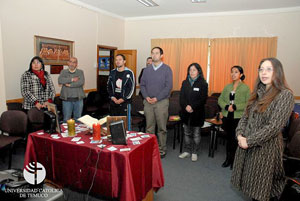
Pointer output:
292, 156
138, 119
174, 108
14, 123
36, 119
92, 104
14, 106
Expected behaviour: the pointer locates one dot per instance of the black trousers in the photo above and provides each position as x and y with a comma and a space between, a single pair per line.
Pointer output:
118, 110
230, 125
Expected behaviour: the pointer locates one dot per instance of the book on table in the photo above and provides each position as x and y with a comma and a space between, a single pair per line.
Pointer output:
89, 121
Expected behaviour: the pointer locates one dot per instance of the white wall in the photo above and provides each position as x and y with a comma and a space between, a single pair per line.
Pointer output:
2, 83
21, 20
139, 32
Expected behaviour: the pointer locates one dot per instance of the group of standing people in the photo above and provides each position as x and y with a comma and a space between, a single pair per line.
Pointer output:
253, 122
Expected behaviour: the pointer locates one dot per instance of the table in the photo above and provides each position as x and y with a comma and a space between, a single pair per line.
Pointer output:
127, 175
215, 126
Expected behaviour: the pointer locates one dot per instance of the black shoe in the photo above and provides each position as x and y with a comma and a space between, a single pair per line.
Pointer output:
226, 163
162, 154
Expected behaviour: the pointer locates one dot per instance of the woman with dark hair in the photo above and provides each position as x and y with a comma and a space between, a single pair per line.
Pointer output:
258, 170
37, 87
233, 101
193, 96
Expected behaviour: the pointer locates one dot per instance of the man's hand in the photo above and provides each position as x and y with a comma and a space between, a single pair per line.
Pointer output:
154, 100
149, 100
67, 85
75, 79
119, 101
115, 100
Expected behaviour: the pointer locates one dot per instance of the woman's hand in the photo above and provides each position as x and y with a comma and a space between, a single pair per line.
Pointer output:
242, 141
189, 109
230, 108
38, 106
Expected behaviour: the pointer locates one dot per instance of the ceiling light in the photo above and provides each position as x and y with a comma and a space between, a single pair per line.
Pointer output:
148, 3
198, 1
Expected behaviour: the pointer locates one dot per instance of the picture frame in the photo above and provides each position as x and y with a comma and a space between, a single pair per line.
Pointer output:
53, 51
104, 63
52, 108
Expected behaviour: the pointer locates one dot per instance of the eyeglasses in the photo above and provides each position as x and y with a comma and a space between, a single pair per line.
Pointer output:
268, 69
36, 62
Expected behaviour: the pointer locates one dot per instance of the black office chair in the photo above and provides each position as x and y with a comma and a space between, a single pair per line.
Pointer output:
138, 119
14, 106
14, 123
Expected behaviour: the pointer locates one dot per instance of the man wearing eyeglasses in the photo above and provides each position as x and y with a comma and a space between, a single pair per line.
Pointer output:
72, 93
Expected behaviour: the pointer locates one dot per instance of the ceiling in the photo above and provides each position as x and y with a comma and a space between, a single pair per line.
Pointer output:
132, 8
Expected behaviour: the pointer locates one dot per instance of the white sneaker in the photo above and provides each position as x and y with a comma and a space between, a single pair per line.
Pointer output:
194, 157
184, 155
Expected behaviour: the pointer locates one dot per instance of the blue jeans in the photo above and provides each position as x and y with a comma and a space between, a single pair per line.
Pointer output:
74, 107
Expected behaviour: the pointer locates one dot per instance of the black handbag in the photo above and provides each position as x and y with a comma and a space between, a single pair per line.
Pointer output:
49, 122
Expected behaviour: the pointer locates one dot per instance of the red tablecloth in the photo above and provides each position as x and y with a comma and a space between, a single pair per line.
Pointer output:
124, 175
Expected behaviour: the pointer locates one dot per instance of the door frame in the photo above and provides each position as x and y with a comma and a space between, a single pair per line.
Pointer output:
111, 60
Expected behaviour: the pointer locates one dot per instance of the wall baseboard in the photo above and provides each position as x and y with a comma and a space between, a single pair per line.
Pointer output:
20, 100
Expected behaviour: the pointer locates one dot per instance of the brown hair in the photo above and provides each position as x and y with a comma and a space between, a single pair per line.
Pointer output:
277, 85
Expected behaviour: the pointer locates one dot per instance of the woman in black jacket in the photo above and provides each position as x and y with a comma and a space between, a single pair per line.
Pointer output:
193, 96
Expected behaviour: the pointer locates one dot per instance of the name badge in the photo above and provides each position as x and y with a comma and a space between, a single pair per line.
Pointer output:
196, 89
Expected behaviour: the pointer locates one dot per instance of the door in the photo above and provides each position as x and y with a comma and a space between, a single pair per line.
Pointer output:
130, 56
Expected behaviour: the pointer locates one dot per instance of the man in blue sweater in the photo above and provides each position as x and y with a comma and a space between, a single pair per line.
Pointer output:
156, 85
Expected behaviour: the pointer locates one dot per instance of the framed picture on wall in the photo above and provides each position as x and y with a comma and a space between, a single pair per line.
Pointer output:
53, 51
104, 63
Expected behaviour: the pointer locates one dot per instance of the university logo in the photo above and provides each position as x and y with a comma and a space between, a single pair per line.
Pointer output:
34, 173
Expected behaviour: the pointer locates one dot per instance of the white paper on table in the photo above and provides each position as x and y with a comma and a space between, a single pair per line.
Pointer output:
40, 133
101, 145
140, 133
65, 134
76, 139
125, 149
136, 138
80, 142
145, 136
131, 135
54, 135
104, 137
136, 142
112, 148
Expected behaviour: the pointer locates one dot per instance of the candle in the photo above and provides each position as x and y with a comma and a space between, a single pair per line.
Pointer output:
96, 132
71, 127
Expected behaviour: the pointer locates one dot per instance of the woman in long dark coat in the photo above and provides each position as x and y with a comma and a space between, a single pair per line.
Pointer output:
258, 170
193, 96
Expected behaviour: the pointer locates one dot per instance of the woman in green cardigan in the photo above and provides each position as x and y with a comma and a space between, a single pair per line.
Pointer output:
233, 101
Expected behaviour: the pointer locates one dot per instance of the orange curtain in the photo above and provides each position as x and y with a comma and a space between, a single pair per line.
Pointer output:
179, 53
245, 52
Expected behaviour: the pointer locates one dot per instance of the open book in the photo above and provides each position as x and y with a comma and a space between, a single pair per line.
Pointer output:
89, 121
